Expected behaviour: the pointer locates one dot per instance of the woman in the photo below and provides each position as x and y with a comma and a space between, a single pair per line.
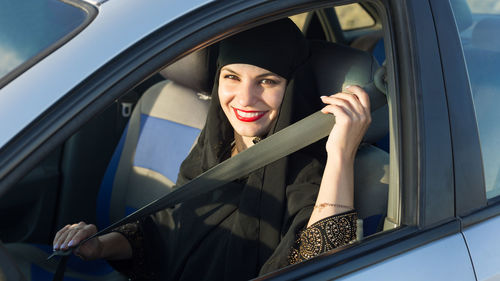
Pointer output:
250, 226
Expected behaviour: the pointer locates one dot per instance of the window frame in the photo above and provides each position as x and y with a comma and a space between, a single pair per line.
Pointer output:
469, 180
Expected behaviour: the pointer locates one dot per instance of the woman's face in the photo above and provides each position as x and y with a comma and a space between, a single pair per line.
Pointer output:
250, 97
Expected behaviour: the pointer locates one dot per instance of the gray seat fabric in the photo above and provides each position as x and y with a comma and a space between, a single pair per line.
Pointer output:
136, 183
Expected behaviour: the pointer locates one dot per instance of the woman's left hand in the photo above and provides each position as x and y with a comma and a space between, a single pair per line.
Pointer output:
351, 109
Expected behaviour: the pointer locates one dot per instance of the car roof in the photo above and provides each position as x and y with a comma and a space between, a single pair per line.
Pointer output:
118, 25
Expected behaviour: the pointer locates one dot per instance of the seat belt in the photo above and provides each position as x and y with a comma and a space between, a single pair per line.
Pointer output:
304, 132
308, 130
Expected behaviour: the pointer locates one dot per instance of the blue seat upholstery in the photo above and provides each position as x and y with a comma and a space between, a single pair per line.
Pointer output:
162, 130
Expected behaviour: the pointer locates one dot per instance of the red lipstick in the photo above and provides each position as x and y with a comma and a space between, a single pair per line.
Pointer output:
248, 116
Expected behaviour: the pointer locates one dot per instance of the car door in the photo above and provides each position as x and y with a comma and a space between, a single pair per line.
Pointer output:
429, 244
472, 56
422, 238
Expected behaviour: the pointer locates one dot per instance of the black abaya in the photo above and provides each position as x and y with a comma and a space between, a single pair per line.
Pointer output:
250, 226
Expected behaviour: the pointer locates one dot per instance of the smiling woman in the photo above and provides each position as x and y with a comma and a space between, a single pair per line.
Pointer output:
251, 225
250, 97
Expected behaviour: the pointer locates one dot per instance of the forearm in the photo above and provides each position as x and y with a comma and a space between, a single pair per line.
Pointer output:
336, 193
115, 247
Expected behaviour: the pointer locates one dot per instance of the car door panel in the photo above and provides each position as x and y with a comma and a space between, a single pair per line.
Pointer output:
27, 210
444, 259
484, 246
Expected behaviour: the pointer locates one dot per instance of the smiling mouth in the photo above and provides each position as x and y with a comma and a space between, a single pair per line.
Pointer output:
248, 116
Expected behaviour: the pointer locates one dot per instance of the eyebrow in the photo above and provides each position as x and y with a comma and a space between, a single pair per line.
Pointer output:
258, 76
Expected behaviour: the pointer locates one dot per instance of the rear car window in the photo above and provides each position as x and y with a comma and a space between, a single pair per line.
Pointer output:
478, 22
29, 30
484, 6
300, 20
353, 16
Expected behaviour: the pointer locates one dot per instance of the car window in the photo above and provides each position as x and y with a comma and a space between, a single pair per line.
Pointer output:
353, 16
478, 22
300, 20
27, 28
105, 184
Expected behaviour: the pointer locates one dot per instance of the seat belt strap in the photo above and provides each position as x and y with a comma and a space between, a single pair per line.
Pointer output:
61, 267
306, 131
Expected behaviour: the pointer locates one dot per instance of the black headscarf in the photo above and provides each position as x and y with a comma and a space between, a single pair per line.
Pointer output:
248, 226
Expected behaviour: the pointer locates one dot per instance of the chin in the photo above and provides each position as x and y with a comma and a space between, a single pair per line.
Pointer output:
251, 133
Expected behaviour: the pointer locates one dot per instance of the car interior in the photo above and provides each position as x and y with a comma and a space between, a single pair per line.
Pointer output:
129, 155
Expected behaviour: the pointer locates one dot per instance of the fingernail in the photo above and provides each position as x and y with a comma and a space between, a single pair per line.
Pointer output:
348, 86
322, 97
71, 243
56, 246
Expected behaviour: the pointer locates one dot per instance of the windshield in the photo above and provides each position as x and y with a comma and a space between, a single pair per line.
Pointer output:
29, 30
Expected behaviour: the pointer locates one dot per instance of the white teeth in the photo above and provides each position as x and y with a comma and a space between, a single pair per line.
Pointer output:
248, 114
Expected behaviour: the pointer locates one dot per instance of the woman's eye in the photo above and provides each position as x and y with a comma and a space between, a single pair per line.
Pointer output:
232, 77
268, 81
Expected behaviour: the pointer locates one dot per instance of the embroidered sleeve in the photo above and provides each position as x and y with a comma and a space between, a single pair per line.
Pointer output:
134, 267
324, 235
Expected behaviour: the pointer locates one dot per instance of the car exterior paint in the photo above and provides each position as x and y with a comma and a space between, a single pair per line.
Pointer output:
452, 235
81, 56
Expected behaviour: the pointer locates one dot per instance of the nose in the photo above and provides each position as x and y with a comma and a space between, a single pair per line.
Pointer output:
248, 94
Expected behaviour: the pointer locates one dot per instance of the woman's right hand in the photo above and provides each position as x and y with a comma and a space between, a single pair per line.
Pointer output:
71, 235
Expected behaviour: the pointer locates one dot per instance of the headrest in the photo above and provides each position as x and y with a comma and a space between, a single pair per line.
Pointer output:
337, 66
485, 34
463, 14
195, 71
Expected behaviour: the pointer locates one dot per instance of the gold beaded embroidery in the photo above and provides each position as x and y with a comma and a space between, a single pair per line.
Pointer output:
324, 235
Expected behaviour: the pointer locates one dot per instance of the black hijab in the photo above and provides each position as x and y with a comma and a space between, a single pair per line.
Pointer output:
248, 226
278, 47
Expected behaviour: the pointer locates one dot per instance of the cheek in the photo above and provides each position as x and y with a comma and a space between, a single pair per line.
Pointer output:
274, 99
225, 95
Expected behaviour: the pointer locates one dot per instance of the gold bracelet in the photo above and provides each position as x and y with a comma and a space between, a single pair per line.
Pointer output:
323, 205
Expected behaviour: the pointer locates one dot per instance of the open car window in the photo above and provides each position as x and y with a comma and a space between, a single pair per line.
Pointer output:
137, 119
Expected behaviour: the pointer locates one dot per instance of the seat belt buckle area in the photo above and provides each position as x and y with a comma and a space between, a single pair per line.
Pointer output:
61, 253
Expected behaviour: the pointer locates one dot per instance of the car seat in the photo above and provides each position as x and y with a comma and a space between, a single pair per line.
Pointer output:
145, 167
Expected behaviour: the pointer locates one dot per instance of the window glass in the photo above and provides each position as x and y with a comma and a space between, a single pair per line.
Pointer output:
29, 27
484, 6
353, 16
300, 20
478, 22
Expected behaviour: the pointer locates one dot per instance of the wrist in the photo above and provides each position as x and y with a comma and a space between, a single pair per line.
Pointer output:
340, 157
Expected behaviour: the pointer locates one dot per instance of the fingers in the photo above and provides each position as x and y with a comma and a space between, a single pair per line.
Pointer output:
353, 103
362, 96
336, 102
70, 235
59, 234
